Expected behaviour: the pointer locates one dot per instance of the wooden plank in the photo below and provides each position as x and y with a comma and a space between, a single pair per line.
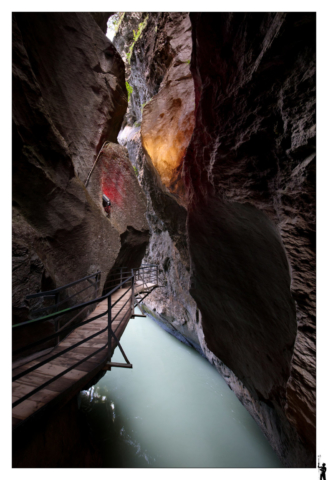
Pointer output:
26, 408
42, 374
52, 369
43, 395
15, 421
37, 379
86, 366
23, 361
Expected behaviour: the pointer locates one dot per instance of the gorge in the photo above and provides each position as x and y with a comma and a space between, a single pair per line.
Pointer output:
203, 128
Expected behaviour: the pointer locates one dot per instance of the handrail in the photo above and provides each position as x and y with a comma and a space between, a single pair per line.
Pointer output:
49, 359
53, 335
40, 387
111, 334
40, 310
94, 164
71, 309
50, 292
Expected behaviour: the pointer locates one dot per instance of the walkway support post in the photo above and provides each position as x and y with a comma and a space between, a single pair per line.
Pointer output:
57, 319
109, 355
132, 293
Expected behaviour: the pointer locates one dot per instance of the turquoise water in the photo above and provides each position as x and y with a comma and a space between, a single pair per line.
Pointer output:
171, 410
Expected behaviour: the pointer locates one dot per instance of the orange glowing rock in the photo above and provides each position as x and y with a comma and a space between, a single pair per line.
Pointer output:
167, 125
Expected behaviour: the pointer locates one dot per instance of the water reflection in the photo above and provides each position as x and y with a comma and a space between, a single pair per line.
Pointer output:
171, 410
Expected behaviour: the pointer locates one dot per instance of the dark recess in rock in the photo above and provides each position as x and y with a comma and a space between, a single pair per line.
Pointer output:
101, 18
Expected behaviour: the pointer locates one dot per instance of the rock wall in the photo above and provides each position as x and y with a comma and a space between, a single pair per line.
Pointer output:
241, 275
160, 60
251, 209
69, 97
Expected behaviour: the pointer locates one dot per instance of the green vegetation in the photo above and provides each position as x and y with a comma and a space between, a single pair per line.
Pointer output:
136, 35
118, 20
135, 170
129, 89
144, 104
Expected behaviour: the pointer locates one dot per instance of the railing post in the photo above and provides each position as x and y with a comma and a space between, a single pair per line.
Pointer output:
157, 275
121, 279
57, 319
97, 281
109, 356
132, 294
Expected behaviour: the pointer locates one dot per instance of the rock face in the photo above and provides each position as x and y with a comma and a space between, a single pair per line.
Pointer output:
114, 176
69, 98
101, 19
160, 72
252, 208
168, 118
80, 78
241, 275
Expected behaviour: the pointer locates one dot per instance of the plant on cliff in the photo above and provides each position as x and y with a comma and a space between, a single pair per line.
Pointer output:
118, 22
129, 90
144, 104
136, 35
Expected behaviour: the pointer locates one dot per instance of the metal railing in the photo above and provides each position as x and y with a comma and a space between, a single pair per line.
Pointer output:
63, 296
147, 274
113, 311
57, 300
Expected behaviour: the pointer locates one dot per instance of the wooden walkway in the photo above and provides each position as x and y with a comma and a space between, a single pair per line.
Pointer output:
72, 382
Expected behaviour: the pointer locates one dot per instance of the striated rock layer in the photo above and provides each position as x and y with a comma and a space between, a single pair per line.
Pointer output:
239, 278
69, 97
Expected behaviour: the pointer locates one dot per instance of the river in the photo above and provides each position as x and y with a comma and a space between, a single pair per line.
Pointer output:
171, 410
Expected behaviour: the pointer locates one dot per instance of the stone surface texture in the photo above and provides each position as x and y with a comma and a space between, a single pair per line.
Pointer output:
239, 275
80, 76
251, 211
101, 18
69, 97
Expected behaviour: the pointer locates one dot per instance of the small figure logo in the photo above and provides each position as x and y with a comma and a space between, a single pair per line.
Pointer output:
322, 469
